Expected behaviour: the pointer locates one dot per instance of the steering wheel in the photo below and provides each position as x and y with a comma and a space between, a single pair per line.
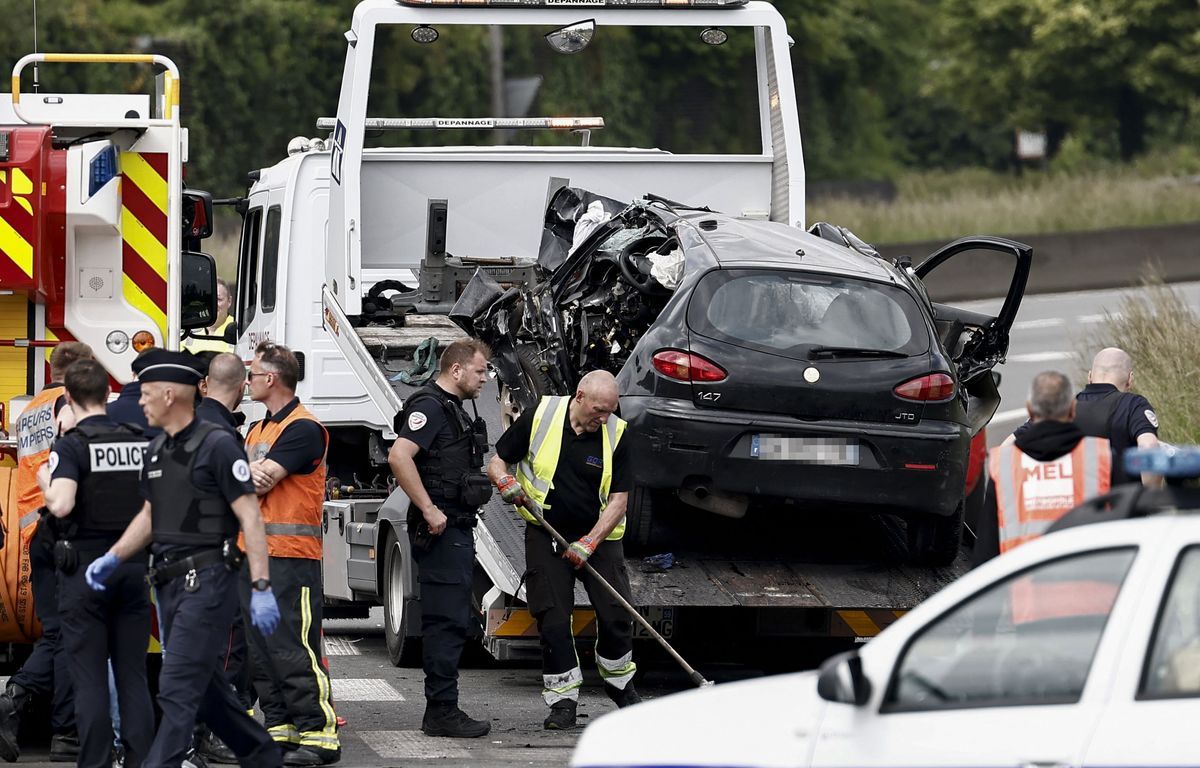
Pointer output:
631, 271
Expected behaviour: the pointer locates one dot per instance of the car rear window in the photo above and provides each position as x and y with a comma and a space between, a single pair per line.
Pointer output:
790, 312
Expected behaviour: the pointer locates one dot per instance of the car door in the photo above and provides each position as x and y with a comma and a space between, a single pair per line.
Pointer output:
1155, 701
976, 342
987, 682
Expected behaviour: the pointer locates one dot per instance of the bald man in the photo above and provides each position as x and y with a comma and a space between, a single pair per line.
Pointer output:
572, 467
1106, 408
223, 387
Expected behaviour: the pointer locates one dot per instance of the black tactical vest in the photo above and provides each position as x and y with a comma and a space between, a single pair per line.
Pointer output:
108, 498
181, 513
451, 470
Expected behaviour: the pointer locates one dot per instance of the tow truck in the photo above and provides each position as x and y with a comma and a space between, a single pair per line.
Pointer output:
357, 244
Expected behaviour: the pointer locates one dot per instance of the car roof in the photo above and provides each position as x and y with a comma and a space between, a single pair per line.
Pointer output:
751, 242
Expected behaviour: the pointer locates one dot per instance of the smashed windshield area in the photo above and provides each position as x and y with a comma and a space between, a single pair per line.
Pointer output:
655, 87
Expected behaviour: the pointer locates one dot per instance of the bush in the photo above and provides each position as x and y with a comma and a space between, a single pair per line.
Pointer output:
1162, 334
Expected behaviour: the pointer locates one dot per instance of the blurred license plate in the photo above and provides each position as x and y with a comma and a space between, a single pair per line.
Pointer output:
840, 451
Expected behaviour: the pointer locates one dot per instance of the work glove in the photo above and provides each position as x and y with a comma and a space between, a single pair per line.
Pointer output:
511, 491
100, 569
264, 611
579, 552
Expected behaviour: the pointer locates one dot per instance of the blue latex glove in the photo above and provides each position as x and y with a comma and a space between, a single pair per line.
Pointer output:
100, 569
264, 611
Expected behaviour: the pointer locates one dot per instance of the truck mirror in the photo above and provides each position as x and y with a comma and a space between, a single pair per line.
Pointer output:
197, 214
199, 288
842, 681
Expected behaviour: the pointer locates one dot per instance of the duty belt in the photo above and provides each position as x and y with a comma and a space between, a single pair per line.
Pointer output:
159, 575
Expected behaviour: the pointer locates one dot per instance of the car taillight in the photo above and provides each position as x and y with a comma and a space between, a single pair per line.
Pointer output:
684, 366
929, 388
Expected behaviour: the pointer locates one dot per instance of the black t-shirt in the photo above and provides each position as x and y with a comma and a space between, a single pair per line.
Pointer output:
574, 500
300, 448
220, 465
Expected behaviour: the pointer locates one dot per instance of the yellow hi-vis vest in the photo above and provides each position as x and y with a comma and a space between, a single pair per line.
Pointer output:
536, 470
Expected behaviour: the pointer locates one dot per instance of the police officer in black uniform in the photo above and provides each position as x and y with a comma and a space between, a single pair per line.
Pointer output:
438, 460
197, 490
223, 386
91, 487
1106, 408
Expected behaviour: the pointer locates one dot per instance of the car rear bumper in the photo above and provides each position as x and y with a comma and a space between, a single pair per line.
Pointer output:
917, 468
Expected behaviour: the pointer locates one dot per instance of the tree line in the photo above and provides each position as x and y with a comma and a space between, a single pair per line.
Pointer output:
882, 85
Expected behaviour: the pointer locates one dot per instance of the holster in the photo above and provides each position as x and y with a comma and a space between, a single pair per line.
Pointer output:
419, 534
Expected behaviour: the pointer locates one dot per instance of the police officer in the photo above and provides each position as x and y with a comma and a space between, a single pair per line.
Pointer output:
91, 486
287, 464
1051, 467
1106, 408
223, 385
45, 672
197, 490
438, 460
572, 467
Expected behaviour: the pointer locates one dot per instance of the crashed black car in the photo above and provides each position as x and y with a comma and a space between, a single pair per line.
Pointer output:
757, 361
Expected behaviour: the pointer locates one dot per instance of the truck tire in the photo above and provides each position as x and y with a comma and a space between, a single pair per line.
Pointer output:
403, 646
639, 517
935, 540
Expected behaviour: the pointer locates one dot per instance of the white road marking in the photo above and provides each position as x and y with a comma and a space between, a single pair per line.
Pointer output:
1039, 357
1047, 322
1013, 415
341, 646
363, 689
411, 745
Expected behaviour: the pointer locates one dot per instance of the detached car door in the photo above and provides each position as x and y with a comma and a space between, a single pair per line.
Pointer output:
1004, 678
1155, 704
976, 342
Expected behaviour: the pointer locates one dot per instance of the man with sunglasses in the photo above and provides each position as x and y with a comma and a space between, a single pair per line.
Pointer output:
287, 463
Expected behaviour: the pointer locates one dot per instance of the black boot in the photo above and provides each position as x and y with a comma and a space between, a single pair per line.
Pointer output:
64, 748
12, 703
268, 755
562, 716
449, 720
623, 697
312, 756
216, 751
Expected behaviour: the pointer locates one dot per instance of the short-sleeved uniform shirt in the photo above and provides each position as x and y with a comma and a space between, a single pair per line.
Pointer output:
427, 425
1132, 418
70, 461
220, 467
215, 412
300, 448
575, 498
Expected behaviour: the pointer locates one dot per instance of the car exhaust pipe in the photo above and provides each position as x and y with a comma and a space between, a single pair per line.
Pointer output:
701, 496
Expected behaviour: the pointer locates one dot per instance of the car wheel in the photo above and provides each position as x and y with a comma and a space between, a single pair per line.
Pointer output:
639, 517
535, 383
403, 651
933, 539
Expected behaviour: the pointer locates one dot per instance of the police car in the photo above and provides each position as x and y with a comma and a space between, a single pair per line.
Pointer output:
1081, 648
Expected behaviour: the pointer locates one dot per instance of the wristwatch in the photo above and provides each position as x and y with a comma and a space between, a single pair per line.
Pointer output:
260, 585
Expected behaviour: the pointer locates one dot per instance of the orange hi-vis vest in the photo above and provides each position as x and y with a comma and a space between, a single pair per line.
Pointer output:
37, 429
1030, 496
291, 511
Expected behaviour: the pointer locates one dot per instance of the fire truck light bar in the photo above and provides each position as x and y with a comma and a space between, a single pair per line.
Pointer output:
579, 3
487, 123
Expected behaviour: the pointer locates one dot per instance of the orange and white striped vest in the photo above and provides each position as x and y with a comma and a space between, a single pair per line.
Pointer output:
37, 429
291, 511
1030, 496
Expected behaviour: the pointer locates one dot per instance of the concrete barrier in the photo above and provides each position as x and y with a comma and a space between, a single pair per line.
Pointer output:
1070, 261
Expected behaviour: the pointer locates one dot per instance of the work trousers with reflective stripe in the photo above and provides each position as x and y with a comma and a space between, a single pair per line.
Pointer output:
46, 672
290, 677
192, 684
444, 573
97, 626
550, 590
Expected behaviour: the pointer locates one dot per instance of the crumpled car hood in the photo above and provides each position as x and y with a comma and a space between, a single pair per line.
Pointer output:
767, 722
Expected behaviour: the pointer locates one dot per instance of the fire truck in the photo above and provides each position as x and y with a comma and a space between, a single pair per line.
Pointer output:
99, 243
